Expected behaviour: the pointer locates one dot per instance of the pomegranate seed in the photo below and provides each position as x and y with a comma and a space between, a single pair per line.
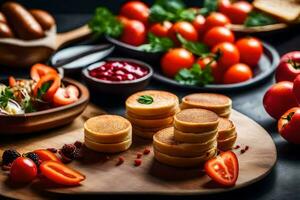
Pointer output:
139, 155
246, 148
137, 162
120, 161
242, 151
146, 151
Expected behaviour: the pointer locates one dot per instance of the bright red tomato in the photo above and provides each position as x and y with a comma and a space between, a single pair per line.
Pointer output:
216, 19
66, 96
289, 67
296, 88
218, 35
198, 24
238, 12
224, 169
55, 84
216, 71
161, 29
250, 49
175, 60
46, 155
223, 6
238, 73
23, 170
39, 70
229, 55
289, 125
185, 29
134, 33
136, 10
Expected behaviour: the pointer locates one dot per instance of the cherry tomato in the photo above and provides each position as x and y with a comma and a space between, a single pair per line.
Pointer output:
66, 96
224, 169
229, 55
289, 125
23, 170
134, 33
12, 81
136, 10
238, 73
61, 174
216, 19
39, 70
250, 50
238, 12
216, 71
54, 81
185, 29
46, 155
223, 6
175, 60
161, 29
198, 24
218, 35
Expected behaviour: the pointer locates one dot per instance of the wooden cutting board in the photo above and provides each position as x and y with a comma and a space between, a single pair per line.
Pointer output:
103, 176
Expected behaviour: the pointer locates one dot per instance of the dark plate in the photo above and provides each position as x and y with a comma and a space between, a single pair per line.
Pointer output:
265, 68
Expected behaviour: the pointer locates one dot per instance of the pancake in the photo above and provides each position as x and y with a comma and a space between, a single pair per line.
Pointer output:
107, 148
226, 129
196, 120
164, 142
182, 161
163, 102
154, 123
148, 133
225, 115
194, 137
165, 115
227, 144
108, 129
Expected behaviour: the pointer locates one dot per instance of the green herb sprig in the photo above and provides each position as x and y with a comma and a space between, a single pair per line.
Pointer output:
157, 44
208, 7
196, 48
5, 96
259, 19
145, 99
44, 88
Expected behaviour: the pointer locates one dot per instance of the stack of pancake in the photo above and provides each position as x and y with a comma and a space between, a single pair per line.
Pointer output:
150, 111
217, 103
226, 134
108, 133
192, 140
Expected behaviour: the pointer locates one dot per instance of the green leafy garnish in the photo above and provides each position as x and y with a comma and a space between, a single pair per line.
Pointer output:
28, 107
157, 44
208, 7
104, 22
43, 89
195, 75
145, 99
259, 19
5, 96
196, 48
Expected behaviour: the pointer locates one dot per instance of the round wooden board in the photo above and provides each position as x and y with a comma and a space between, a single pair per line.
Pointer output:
104, 177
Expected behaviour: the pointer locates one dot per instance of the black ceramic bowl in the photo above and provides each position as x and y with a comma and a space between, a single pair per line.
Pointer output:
117, 88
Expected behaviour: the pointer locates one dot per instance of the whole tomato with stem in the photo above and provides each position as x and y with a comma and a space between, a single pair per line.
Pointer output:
218, 35
237, 73
238, 11
228, 55
289, 125
134, 33
251, 50
289, 67
136, 10
23, 170
216, 19
279, 98
185, 29
161, 29
199, 25
175, 60
216, 71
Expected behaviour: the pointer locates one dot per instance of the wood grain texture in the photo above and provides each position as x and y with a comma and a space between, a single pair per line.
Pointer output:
151, 177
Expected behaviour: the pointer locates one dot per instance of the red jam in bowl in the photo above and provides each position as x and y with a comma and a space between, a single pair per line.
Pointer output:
119, 71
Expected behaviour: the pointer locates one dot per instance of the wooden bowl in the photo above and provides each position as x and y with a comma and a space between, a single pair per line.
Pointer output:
46, 119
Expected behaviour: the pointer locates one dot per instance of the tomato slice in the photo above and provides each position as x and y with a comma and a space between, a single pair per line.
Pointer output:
60, 173
223, 169
12, 81
66, 96
39, 70
46, 155
54, 81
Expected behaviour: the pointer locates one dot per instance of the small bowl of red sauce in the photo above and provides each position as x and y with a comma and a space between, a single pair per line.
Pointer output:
119, 76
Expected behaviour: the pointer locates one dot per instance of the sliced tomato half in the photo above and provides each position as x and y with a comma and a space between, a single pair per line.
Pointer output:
45, 155
66, 96
224, 169
54, 81
39, 70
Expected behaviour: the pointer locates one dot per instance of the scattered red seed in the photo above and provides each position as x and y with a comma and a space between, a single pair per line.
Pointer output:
139, 155
246, 148
53, 150
137, 162
237, 147
146, 151
120, 161
243, 151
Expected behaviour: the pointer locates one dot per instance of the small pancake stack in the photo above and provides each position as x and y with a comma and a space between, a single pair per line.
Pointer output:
107, 133
226, 134
150, 111
192, 140
217, 103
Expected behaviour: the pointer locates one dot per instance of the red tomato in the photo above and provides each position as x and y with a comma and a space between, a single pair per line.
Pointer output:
238, 73
134, 33
218, 35
224, 169
46, 155
61, 174
198, 24
229, 55
55, 81
216, 19
238, 12
296, 88
279, 98
250, 50
175, 60
136, 10
289, 67
223, 6
289, 125
23, 170
39, 70
216, 71
66, 96
185, 29
161, 29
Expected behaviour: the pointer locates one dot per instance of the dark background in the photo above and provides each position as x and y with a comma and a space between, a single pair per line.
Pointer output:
284, 180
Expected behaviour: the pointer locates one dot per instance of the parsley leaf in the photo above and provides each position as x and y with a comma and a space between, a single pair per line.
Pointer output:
157, 44
196, 48
259, 19
5, 96
208, 7
43, 90
145, 99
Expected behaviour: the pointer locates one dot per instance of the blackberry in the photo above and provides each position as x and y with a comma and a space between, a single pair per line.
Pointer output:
34, 157
69, 150
9, 156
